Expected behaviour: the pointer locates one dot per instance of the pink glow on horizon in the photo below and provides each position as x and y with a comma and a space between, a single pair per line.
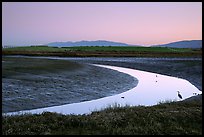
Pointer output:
139, 23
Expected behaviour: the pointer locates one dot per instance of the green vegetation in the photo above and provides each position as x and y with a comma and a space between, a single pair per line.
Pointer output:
127, 48
102, 51
35, 48
171, 118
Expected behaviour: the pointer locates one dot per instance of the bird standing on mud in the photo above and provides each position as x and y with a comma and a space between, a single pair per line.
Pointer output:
179, 95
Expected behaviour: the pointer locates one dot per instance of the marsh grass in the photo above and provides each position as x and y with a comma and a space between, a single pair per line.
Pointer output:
99, 48
171, 118
103, 51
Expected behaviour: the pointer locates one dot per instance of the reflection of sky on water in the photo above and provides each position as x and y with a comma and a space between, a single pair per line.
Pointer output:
151, 89
31, 90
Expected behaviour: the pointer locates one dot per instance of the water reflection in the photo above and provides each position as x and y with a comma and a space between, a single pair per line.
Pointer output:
152, 88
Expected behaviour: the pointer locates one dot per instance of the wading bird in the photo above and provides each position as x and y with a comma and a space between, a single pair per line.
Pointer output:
179, 95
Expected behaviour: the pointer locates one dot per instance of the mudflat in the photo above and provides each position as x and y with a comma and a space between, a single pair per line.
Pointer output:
29, 83
186, 68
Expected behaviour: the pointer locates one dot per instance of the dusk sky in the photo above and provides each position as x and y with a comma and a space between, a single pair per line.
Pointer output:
139, 23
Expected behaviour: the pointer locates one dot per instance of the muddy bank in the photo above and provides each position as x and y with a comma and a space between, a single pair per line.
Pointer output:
186, 68
148, 92
111, 81
29, 83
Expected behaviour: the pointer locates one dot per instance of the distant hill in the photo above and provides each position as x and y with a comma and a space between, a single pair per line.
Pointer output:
87, 43
182, 44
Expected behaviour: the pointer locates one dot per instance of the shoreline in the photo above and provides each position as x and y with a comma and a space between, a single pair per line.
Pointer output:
132, 97
57, 82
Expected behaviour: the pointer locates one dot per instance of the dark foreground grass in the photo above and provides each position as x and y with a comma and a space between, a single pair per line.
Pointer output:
171, 118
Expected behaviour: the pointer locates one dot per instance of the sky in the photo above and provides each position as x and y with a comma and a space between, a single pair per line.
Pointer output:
138, 23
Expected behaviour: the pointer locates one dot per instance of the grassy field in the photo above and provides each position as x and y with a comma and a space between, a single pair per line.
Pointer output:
122, 48
102, 51
170, 118
98, 48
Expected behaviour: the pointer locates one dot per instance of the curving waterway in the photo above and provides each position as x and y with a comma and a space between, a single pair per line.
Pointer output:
151, 89
31, 83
